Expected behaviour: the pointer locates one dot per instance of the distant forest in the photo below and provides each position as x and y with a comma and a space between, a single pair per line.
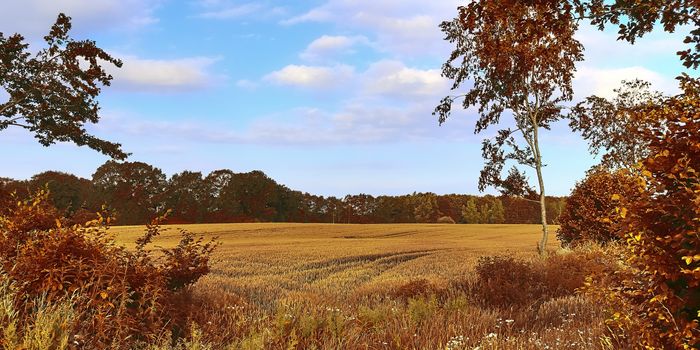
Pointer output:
135, 192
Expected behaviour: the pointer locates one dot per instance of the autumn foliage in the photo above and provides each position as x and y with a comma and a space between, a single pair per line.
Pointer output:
662, 230
590, 212
506, 282
119, 296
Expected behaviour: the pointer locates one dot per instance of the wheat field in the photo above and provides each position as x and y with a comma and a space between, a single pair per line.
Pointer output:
266, 261
389, 286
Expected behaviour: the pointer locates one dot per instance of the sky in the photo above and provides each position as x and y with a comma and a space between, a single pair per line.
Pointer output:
327, 97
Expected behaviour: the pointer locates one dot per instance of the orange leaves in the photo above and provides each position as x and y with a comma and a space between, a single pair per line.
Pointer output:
668, 220
596, 206
691, 259
118, 293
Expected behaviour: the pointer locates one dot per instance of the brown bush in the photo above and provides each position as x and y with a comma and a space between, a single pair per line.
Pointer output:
506, 282
119, 296
589, 213
662, 229
416, 288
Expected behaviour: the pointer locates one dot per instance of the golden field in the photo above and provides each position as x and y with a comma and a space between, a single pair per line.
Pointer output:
269, 260
389, 286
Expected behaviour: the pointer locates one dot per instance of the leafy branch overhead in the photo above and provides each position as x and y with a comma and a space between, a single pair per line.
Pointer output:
635, 18
612, 126
53, 93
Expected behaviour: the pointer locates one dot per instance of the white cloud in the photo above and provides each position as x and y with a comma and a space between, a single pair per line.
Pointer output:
225, 9
382, 79
231, 11
33, 18
393, 78
656, 48
328, 46
163, 75
601, 81
408, 27
312, 77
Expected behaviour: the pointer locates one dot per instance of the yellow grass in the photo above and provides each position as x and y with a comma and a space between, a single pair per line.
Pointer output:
271, 259
323, 286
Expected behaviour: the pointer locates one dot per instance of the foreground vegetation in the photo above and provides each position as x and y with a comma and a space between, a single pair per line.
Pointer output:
305, 286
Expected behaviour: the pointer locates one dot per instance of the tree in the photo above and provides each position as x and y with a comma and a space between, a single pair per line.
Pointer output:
589, 213
53, 93
133, 189
470, 214
185, 197
218, 201
491, 212
425, 208
662, 228
612, 126
67, 192
519, 58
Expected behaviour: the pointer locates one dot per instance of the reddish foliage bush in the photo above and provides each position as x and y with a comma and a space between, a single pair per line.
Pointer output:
415, 288
662, 229
119, 295
506, 282
589, 213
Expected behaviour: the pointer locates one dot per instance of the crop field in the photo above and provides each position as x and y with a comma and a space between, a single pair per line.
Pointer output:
402, 286
268, 261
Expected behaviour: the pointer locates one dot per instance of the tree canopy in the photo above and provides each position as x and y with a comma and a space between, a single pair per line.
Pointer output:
53, 93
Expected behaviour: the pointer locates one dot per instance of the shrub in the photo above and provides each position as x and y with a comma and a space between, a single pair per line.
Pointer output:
416, 288
662, 229
506, 282
117, 296
589, 213
445, 220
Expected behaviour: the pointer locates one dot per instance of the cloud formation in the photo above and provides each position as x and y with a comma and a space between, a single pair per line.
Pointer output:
311, 77
329, 46
226, 10
231, 11
33, 18
408, 27
394, 79
163, 75
601, 81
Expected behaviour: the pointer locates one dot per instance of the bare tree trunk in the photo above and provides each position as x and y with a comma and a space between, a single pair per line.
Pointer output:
541, 247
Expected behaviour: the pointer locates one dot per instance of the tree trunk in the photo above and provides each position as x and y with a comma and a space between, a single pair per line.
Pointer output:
541, 247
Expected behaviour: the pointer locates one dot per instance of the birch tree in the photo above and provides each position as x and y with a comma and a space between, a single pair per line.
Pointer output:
516, 59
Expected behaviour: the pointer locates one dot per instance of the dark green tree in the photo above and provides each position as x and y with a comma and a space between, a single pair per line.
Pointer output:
53, 92
133, 189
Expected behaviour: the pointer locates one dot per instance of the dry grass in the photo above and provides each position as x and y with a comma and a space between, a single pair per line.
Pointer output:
406, 286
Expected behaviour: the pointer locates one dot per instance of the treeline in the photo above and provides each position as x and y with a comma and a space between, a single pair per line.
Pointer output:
135, 192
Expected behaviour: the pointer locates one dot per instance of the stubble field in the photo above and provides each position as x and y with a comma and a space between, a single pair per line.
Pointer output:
408, 286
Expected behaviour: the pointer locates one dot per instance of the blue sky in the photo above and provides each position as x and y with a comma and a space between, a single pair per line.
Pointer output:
329, 97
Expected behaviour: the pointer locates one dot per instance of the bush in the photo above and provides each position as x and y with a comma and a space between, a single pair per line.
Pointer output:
662, 229
589, 213
118, 297
416, 288
445, 220
505, 282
